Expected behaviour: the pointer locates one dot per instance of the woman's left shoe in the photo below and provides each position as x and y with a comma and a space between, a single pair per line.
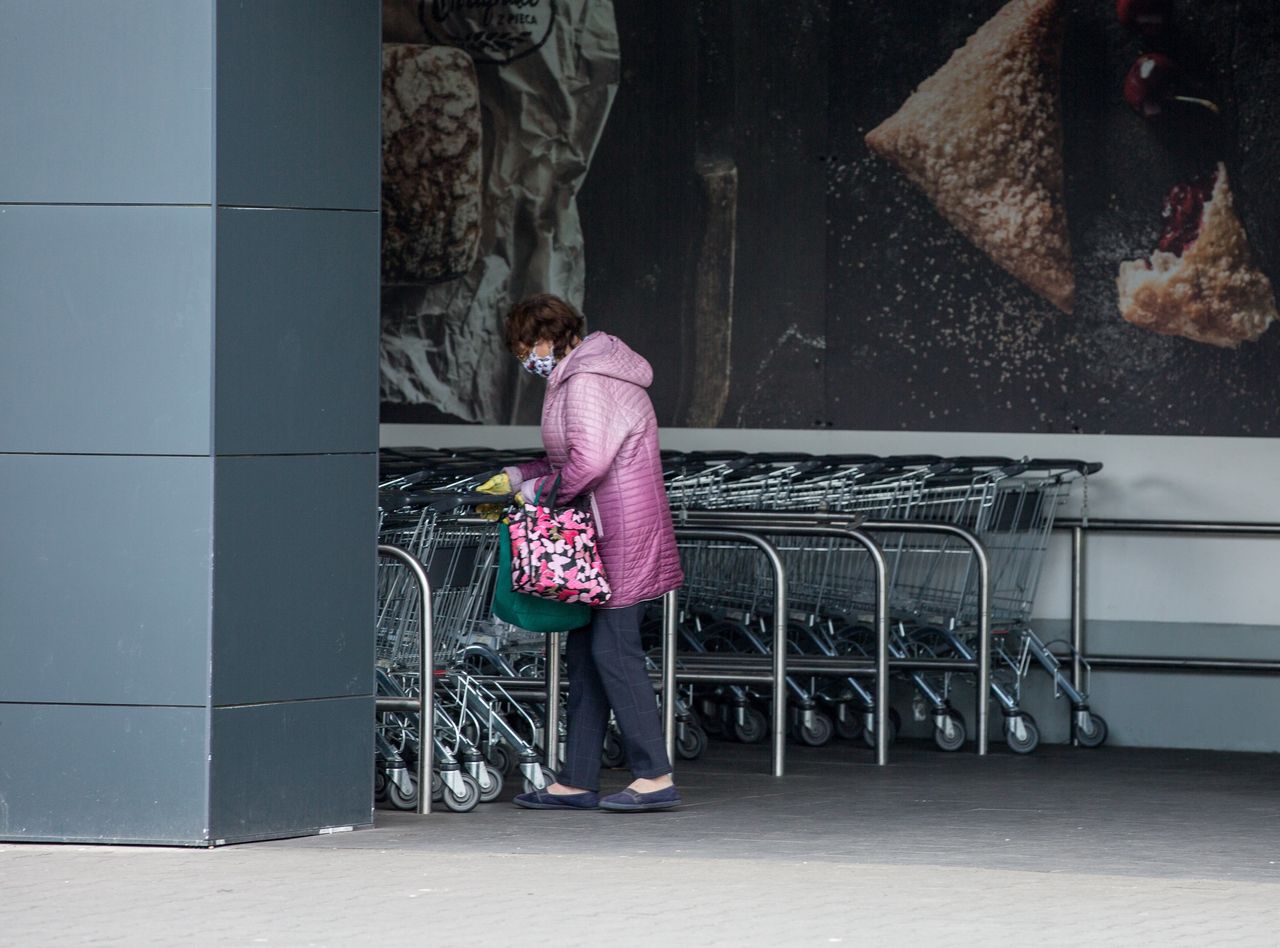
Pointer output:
633, 801
542, 800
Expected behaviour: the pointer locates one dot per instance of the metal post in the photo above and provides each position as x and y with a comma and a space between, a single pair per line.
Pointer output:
669, 606
427, 674
779, 670
1077, 617
551, 722
882, 645
983, 710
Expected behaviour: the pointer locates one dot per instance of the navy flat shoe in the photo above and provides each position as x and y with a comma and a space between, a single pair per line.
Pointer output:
633, 801
542, 800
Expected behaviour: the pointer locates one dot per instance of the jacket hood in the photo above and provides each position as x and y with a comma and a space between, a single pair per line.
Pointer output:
603, 354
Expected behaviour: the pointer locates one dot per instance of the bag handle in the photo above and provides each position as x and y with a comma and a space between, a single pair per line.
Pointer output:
555, 489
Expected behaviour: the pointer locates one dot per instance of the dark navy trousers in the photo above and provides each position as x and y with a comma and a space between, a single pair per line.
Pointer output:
606, 670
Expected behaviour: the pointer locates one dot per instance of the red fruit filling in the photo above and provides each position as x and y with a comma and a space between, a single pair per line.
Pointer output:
1182, 214
1149, 83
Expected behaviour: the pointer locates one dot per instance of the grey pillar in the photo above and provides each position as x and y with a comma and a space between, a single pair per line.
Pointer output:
188, 417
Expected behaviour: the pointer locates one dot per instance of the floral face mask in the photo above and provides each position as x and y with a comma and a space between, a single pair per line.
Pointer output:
540, 366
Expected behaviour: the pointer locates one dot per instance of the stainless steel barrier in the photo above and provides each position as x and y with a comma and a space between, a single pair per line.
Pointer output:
763, 523
777, 676
424, 704
1080, 659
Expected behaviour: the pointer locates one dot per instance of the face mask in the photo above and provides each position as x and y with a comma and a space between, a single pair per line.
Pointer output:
540, 366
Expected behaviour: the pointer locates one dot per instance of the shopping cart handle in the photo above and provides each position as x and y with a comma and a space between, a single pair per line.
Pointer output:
912, 460
1070, 464
718, 457
442, 501
845, 460
813, 464
986, 460
782, 457
871, 468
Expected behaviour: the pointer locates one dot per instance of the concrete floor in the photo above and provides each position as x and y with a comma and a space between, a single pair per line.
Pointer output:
1064, 847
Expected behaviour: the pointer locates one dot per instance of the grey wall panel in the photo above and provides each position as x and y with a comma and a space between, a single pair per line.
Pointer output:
86, 773
299, 103
297, 332
104, 579
106, 102
291, 769
105, 329
293, 589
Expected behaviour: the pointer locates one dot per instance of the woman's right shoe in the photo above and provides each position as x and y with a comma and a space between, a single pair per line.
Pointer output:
542, 800
633, 801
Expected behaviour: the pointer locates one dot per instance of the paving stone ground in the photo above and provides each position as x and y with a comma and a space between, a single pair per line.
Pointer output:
1118, 847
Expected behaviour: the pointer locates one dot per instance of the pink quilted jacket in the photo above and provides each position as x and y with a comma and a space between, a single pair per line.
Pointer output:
601, 436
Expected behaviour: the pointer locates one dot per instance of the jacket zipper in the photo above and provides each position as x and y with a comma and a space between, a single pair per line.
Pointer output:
595, 512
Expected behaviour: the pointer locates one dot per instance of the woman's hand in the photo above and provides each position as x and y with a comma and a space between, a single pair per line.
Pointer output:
498, 484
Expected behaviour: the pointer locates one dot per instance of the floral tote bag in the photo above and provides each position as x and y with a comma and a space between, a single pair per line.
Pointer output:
554, 554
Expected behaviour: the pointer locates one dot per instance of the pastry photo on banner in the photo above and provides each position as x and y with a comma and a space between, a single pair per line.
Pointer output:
1083, 195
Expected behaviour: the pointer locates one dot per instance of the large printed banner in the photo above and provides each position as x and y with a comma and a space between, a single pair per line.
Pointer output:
970, 215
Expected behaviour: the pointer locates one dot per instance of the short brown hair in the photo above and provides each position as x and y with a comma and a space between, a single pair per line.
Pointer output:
543, 317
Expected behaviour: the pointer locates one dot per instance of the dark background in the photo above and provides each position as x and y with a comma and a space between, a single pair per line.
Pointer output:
856, 305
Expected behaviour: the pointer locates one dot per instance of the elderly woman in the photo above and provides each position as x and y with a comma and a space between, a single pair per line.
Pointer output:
601, 438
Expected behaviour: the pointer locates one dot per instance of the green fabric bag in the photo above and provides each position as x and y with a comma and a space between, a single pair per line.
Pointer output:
531, 612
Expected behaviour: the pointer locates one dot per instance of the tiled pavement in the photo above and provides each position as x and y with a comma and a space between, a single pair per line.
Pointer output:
1067, 847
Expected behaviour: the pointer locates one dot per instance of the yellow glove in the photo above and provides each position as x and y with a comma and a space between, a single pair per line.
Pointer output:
498, 484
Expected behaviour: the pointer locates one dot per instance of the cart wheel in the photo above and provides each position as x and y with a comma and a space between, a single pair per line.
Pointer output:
692, 743
498, 758
437, 788
819, 731
954, 740
614, 753
1030, 739
895, 725
494, 790
548, 775
466, 802
850, 726
379, 786
1095, 734
401, 800
752, 728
